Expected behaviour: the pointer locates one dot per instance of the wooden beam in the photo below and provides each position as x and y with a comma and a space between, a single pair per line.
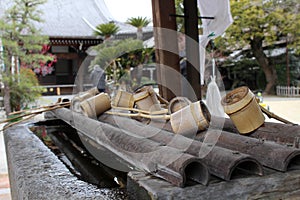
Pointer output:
68, 56
165, 34
192, 48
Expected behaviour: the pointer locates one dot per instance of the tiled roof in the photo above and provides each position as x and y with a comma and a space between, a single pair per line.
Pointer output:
69, 18
75, 18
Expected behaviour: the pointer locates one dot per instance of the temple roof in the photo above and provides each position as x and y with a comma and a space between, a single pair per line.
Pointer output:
73, 19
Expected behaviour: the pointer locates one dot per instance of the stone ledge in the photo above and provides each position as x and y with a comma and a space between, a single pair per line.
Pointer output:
36, 173
274, 186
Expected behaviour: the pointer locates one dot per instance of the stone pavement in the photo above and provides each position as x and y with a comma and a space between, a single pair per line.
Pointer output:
4, 187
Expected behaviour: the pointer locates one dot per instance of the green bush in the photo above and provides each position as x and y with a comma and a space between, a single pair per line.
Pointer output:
24, 88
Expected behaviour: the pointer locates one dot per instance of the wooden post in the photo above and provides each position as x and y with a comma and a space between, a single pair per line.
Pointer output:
165, 34
80, 71
192, 48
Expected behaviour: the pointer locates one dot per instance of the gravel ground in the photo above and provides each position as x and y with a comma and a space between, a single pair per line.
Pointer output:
288, 108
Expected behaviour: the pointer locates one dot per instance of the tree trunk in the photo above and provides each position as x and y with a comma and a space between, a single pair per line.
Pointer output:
139, 34
269, 69
6, 99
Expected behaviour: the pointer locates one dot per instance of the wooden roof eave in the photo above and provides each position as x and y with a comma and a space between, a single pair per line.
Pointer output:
85, 41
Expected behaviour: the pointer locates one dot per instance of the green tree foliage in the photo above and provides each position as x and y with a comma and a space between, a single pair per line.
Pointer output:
179, 11
106, 30
132, 64
139, 23
22, 41
19, 36
109, 51
24, 88
261, 23
137, 57
117, 57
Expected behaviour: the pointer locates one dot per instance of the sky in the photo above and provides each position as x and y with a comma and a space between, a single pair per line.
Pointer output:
121, 10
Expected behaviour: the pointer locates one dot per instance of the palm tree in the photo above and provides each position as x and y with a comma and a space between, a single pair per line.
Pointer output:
106, 30
139, 23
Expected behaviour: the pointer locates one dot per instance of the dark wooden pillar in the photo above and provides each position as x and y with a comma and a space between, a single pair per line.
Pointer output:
165, 34
192, 48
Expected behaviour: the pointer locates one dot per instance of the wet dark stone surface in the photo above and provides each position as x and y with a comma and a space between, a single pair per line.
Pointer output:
36, 173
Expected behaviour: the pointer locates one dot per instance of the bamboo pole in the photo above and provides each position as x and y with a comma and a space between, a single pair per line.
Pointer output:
166, 117
221, 162
162, 100
272, 115
117, 144
163, 111
47, 108
38, 108
14, 123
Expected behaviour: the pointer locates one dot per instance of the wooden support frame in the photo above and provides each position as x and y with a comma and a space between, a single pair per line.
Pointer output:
164, 17
192, 48
167, 56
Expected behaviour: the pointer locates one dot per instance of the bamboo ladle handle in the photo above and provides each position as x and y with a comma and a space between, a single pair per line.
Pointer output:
37, 112
165, 117
163, 111
272, 115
